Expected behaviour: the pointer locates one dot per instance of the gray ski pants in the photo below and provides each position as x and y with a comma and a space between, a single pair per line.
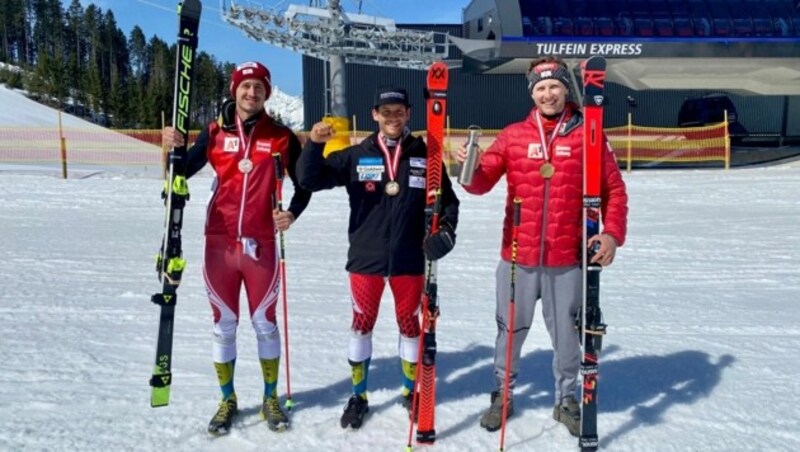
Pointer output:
559, 288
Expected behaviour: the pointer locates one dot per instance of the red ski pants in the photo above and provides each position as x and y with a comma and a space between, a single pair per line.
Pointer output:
366, 292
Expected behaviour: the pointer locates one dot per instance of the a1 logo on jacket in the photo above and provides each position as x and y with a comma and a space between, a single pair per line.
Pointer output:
231, 144
535, 151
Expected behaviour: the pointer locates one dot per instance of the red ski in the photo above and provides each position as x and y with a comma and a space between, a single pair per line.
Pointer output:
590, 320
425, 394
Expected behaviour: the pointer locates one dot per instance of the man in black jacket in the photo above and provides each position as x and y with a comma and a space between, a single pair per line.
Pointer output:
385, 176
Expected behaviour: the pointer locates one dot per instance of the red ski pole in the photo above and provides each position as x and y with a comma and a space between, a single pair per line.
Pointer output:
279, 205
510, 345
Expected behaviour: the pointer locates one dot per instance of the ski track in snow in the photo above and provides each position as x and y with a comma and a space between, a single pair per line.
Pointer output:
701, 306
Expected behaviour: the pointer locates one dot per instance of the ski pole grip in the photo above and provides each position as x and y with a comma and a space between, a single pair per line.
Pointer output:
277, 197
465, 177
276, 156
517, 210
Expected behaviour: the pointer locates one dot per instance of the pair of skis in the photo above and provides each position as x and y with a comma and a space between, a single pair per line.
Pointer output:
590, 320
424, 401
170, 263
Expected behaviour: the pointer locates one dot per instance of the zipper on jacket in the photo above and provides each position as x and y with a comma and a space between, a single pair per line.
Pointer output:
545, 198
393, 200
392, 239
244, 184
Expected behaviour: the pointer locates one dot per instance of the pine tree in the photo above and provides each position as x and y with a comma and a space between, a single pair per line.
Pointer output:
75, 49
138, 51
93, 87
158, 90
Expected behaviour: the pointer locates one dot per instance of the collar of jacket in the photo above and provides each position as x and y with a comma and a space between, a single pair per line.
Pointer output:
408, 140
575, 119
229, 121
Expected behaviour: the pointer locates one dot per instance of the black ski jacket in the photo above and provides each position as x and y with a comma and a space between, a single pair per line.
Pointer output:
385, 232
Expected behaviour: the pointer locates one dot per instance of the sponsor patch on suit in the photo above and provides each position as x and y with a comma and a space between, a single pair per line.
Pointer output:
370, 169
263, 146
231, 144
416, 182
563, 151
418, 162
535, 151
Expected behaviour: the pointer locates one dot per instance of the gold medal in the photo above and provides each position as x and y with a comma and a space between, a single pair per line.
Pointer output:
245, 165
547, 170
392, 188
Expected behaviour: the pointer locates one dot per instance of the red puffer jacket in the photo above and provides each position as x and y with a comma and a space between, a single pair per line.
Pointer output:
551, 214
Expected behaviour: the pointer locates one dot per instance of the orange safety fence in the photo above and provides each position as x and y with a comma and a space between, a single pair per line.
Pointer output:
678, 145
97, 146
87, 146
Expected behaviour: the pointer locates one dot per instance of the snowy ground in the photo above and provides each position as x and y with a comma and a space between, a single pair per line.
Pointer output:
701, 306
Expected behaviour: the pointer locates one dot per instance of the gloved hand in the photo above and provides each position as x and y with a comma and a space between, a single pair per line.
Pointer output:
436, 246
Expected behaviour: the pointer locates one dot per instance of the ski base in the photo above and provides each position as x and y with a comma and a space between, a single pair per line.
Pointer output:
426, 437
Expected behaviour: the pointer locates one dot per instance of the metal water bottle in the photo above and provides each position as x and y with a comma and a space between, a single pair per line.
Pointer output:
465, 178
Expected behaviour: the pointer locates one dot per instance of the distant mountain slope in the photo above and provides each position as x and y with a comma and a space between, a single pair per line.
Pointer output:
290, 108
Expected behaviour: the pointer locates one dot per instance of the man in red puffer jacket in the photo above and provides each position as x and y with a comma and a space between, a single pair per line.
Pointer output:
541, 158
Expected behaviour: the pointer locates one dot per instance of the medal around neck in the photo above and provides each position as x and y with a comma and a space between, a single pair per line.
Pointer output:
547, 170
392, 188
245, 165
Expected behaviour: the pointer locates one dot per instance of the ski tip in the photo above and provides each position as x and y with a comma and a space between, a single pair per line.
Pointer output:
437, 76
593, 73
190, 8
593, 63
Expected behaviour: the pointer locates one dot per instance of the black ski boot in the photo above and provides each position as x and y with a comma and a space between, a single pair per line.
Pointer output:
357, 407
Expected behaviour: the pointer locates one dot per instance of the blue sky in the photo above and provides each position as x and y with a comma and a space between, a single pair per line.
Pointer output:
227, 43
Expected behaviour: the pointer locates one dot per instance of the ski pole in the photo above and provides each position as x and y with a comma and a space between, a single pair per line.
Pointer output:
279, 204
511, 313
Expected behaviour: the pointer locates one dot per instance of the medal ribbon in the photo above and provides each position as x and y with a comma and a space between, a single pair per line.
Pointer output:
249, 246
392, 162
545, 142
244, 141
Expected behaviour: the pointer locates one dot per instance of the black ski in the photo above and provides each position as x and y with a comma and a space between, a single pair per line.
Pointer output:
590, 320
170, 263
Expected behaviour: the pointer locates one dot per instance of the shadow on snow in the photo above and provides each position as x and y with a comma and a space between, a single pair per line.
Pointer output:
649, 384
